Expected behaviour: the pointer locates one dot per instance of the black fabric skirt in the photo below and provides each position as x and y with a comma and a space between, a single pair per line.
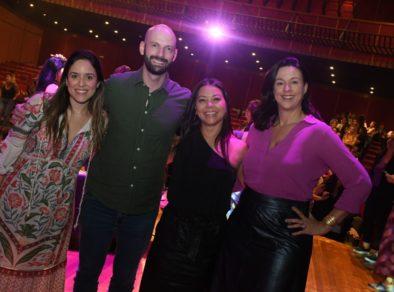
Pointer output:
259, 252
184, 252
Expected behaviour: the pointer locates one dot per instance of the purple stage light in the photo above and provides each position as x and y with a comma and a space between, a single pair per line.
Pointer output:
216, 32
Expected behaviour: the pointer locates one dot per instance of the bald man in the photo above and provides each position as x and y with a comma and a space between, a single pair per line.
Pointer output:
125, 177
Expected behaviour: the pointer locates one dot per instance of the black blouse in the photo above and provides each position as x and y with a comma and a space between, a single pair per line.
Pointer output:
202, 181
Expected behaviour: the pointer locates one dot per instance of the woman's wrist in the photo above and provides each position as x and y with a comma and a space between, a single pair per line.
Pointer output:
328, 223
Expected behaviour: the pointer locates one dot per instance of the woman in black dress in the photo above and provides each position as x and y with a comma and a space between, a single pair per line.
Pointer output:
189, 234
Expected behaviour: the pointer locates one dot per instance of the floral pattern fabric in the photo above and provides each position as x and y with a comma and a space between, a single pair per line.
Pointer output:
37, 194
385, 262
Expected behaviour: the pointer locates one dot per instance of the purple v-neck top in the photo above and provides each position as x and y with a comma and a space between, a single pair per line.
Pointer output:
291, 168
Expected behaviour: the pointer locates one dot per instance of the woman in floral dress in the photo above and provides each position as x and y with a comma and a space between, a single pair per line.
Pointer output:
39, 162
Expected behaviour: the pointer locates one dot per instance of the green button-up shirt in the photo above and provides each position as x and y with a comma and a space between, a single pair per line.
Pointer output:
127, 173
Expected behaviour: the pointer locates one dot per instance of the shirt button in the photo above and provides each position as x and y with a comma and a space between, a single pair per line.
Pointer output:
146, 112
134, 167
142, 130
138, 148
131, 186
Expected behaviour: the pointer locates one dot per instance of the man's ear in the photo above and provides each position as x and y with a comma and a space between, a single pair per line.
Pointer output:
175, 54
142, 48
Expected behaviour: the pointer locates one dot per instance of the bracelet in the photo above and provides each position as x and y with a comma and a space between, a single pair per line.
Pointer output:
330, 220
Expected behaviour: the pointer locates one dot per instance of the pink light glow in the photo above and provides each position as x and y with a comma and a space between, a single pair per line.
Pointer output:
216, 32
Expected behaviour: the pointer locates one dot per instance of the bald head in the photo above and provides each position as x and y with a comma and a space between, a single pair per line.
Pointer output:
161, 29
159, 49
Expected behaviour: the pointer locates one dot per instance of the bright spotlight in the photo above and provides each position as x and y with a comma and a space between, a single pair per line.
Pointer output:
216, 32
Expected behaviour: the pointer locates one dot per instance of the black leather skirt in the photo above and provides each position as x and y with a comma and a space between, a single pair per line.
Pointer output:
259, 252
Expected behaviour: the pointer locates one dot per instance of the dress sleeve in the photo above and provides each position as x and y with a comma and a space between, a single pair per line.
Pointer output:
24, 118
351, 173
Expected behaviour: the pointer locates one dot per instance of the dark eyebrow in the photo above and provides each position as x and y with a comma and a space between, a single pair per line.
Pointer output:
73, 72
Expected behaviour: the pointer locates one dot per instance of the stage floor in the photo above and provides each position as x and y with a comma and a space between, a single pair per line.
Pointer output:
333, 268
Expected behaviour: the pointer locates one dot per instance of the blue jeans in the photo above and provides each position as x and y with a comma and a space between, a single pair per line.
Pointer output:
98, 224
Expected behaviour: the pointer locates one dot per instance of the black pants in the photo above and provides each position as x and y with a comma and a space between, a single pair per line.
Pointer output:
377, 210
184, 252
259, 254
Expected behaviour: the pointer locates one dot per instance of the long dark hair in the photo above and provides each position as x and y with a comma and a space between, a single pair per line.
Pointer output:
59, 103
267, 112
191, 120
49, 72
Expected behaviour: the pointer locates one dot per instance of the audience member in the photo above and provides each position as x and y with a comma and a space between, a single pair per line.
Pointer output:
385, 261
50, 74
350, 139
372, 129
9, 92
39, 162
334, 125
378, 205
31, 87
342, 125
242, 132
362, 132
125, 178
289, 149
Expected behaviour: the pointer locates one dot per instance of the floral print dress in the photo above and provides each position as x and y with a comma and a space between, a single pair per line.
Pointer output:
37, 201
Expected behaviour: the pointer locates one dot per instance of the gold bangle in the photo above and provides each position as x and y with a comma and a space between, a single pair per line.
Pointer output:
330, 220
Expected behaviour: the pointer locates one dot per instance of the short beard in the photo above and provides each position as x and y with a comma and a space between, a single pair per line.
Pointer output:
152, 69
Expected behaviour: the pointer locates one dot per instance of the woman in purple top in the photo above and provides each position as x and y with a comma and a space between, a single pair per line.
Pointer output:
268, 242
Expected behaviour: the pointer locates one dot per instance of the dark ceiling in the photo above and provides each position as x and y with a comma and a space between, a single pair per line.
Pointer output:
348, 76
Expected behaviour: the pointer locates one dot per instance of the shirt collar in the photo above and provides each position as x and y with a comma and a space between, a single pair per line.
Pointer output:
166, 84
85, 128
310, 119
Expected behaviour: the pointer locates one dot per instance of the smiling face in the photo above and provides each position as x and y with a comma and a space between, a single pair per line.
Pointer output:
81, 82
289, 88
211, 106
158, 49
